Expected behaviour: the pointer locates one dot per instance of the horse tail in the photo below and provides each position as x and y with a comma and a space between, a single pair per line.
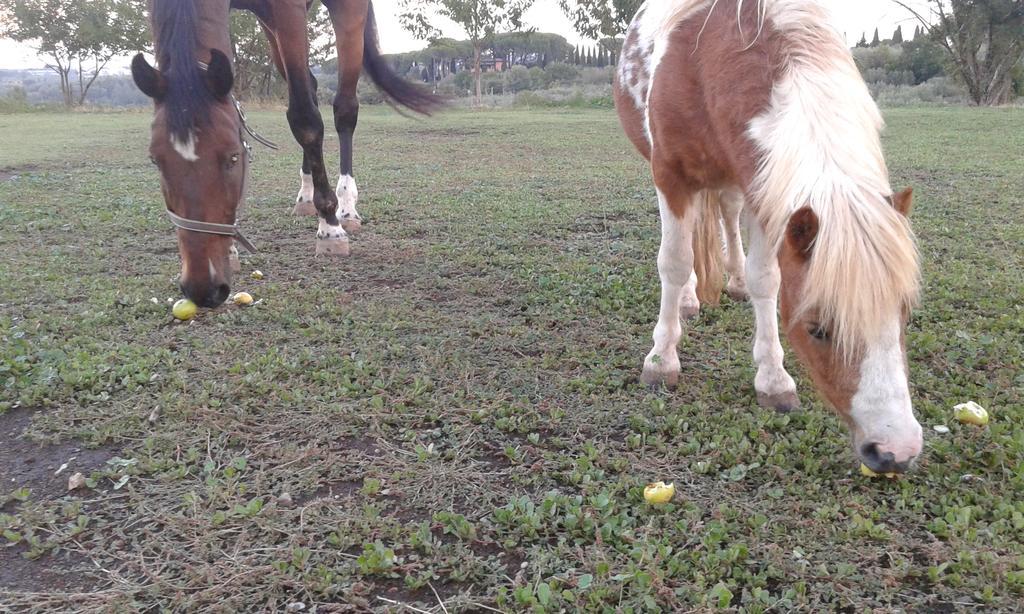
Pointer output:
707, 248
396, 90
188, 99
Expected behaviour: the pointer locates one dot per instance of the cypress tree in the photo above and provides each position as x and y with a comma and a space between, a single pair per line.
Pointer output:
876, 41
863, 42
897, 36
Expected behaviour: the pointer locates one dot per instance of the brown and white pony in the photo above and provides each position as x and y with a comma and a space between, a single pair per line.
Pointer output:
197, 140
757, 107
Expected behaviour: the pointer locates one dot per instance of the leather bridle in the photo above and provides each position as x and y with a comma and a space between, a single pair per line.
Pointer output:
210, 228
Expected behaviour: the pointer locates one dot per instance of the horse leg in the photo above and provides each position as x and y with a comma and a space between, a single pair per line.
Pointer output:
732, 207
348, 18
775, 388
233, 260
304, 201
678, 285
689, 304
288, 28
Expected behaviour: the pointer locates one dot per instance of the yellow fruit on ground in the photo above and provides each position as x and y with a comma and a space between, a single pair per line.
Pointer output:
184, 309
257, 274
243, 298
971, 413
867, 472
659, 492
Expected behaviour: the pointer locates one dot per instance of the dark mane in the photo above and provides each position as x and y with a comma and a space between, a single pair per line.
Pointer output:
188, 100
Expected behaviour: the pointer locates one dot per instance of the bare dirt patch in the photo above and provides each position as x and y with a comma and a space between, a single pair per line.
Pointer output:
50, 573
41, 469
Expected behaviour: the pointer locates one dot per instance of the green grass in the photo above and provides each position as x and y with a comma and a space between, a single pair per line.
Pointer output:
456, 406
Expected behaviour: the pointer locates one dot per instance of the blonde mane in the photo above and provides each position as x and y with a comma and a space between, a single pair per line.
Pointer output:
820, 147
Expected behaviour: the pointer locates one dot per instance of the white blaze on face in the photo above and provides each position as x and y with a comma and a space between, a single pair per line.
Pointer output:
881, 409
187, 148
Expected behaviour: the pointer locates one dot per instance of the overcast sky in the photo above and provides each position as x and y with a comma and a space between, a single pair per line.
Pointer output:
852, 17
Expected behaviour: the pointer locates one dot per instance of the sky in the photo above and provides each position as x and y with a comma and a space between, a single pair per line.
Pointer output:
853, 17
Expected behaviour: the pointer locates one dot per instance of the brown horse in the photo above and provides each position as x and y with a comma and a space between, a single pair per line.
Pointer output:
758, 107
197, 135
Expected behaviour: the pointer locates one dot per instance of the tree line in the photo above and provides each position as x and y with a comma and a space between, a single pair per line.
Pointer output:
979, 43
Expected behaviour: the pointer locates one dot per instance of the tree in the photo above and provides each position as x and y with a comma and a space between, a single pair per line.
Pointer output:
76, 35
923, 57
863, 40
530, 48
596, 18
876, 41
481, 19
983, 41
255, 74
897, 36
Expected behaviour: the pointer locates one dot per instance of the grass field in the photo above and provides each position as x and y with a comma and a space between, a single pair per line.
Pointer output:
455, 411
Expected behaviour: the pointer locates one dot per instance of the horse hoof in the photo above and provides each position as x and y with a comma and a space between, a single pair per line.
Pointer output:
782, 402
304, 207
689, 312
738, 294
657, 380
332, 247
351, 225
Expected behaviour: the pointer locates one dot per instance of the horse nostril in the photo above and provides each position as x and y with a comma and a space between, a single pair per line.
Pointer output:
223, 291
879, 461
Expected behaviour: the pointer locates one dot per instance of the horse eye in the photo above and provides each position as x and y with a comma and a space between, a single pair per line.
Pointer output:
818, 332
152, 160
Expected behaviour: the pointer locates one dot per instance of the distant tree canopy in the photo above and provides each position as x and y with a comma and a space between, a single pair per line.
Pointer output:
983, 42
77, 37
530, 47
595, 19
481, 19
910, 63
255, 74
446, 56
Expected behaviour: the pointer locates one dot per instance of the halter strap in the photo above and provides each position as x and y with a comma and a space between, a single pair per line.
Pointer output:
245, 125
210, 228
248, 130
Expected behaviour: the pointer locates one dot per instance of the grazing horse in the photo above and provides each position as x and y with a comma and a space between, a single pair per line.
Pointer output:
757, 107
197, 137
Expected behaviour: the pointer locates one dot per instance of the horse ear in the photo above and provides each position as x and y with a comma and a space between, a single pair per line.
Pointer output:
903, 201
218, 75
147, 78
801, 232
